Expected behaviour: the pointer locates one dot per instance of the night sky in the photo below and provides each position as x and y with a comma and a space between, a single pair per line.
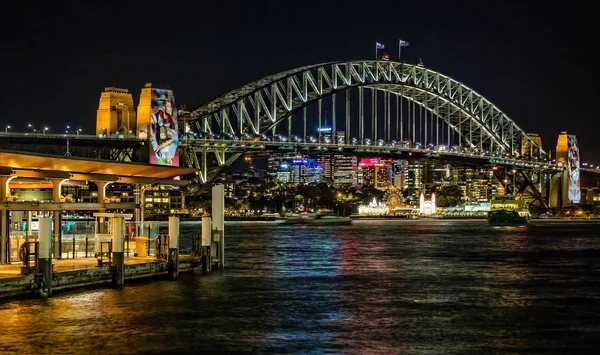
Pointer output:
537, 63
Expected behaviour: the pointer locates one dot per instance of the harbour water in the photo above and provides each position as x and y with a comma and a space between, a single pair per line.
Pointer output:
401, 286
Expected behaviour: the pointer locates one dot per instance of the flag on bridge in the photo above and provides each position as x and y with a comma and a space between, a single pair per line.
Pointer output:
379, 45
403, 43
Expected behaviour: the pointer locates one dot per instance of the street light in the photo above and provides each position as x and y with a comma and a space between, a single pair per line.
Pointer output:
78, 130
31, 126
7, 128
45, 129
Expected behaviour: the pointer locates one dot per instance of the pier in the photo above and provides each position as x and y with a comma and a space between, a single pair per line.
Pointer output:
41, 254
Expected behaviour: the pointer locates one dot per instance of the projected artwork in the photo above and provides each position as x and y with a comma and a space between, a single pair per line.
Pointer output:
573, 166
164, 135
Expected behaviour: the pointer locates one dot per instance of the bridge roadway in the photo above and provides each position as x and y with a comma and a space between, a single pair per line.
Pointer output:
92, 146
119, 148
392, 150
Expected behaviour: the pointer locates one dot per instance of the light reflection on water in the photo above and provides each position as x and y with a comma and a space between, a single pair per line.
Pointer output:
371, 287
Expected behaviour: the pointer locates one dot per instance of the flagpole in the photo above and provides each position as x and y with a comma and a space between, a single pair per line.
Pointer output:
399, 50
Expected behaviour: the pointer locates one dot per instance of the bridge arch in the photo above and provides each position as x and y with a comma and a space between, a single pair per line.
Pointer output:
263, 104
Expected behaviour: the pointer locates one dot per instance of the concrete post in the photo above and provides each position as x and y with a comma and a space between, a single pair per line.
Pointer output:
118, 257
56, 189
206, 242
173, 247
101, 190
206, 231
29, 228
45, 256
137, 193
57, 236
4, 192
218, 218
3, 237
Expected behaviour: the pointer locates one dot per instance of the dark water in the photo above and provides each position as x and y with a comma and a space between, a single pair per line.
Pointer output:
410, 287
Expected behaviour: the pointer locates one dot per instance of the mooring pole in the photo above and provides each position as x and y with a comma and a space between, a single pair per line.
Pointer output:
45, 256
117, 251
173, 247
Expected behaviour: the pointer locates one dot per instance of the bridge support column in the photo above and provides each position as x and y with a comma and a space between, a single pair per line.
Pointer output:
118, 257
218, 221
173, 247
45, 257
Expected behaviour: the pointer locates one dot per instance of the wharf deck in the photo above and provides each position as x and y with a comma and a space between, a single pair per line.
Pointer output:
81, 272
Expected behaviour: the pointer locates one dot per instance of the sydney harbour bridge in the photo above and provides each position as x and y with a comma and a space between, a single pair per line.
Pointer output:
383, 108
360, 108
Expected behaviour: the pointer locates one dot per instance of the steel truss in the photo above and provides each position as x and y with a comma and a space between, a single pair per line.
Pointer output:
258, 107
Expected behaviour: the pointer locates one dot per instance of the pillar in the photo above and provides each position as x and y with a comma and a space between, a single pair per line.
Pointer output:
218, 218
206, 242
45, 256
137, 193
118, 257
101, 190
56, 187
3, 236
4, 191
29, 228
173, 247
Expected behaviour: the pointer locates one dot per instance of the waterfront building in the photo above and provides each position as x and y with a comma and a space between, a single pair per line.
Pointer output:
163, 201
427, 207
374, 208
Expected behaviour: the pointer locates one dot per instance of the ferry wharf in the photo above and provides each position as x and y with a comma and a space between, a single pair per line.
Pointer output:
41, 253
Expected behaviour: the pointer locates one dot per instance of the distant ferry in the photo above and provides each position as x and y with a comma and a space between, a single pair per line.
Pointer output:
325, 217
506, 218
508, 210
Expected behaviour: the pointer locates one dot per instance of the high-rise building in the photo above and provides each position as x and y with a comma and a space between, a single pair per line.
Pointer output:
413, 179
562, 149
116, 112
377, 174
299, 170
399, 170
345, 170
315, 172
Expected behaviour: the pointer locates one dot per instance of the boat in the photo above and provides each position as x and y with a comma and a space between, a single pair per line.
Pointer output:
326, 218
321, 218
291, 219
506, 218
